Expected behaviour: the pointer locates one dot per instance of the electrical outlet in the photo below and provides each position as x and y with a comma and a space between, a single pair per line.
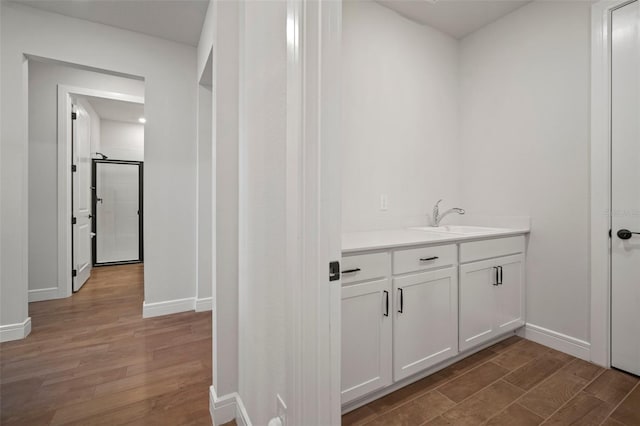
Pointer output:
281, 410
384, 202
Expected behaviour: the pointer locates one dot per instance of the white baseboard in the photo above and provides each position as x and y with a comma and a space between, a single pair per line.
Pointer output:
352, 405
204, 304
166, 308
226, 408
16, 331
558, 341
40, 294
175, 306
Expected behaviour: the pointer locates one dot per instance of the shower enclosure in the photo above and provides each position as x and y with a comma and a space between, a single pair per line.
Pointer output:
117, 212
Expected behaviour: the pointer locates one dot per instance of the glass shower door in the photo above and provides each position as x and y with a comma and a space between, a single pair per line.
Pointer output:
118, 219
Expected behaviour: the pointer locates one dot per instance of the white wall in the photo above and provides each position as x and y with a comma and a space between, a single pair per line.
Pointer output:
169, 70
43, 157
122, 141
400, 118
220, 37
525, 147
497, 123
226, 74
205, 193
263, 231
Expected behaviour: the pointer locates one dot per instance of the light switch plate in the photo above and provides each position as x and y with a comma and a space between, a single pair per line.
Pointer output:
384, 202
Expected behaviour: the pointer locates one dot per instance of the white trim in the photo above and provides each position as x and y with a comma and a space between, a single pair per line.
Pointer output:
600, 273
16, 331
242, 417
40, 294
313, 210
213, 15
226, 408
167, 307
64, 175
330, 54
558, 341
294, 242
204, 304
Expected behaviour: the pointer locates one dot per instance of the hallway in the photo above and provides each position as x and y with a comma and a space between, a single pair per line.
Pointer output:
92, 360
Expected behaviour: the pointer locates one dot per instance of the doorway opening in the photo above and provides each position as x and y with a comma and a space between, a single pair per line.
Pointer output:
107, 153
76, 115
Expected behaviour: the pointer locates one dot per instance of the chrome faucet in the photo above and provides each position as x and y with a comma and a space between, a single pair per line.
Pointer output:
437, 217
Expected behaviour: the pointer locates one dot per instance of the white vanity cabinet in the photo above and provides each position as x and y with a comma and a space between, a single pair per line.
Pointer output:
407, 309
491, 289
366, 324
425, 328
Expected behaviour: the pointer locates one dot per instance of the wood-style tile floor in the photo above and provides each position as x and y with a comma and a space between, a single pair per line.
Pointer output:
515, 382
92, 360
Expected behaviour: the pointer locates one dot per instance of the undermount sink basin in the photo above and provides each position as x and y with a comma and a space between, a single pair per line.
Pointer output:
462, 229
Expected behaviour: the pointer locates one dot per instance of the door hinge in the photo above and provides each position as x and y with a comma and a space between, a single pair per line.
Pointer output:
74, 168
74, 115
74, 273
74, 220
334, 270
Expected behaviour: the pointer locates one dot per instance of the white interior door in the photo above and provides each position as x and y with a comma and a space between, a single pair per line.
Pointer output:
625, 191
81, 204
117, 212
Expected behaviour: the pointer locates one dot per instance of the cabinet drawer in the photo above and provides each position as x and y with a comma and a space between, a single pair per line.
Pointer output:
364, 267
424, 258
486, 249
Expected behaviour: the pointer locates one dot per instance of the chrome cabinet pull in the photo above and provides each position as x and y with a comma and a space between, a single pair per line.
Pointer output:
401, 310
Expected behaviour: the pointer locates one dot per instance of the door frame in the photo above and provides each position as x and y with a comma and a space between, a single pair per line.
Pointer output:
94, 211
600, 250
314, 32
65, 256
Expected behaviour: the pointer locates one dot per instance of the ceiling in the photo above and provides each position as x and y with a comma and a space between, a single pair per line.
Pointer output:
175, 20
181, 20
457, 18
111, 109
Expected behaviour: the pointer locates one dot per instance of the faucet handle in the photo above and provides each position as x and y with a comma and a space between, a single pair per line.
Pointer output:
435, 218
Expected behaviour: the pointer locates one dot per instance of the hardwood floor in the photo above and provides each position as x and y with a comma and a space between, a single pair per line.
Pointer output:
516, 382
92, 360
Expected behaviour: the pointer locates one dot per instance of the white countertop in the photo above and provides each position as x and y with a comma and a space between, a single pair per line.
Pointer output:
392, 238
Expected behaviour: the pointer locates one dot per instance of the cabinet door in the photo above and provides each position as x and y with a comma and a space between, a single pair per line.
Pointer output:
366, 338
425, 320
477, 303
510, 294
